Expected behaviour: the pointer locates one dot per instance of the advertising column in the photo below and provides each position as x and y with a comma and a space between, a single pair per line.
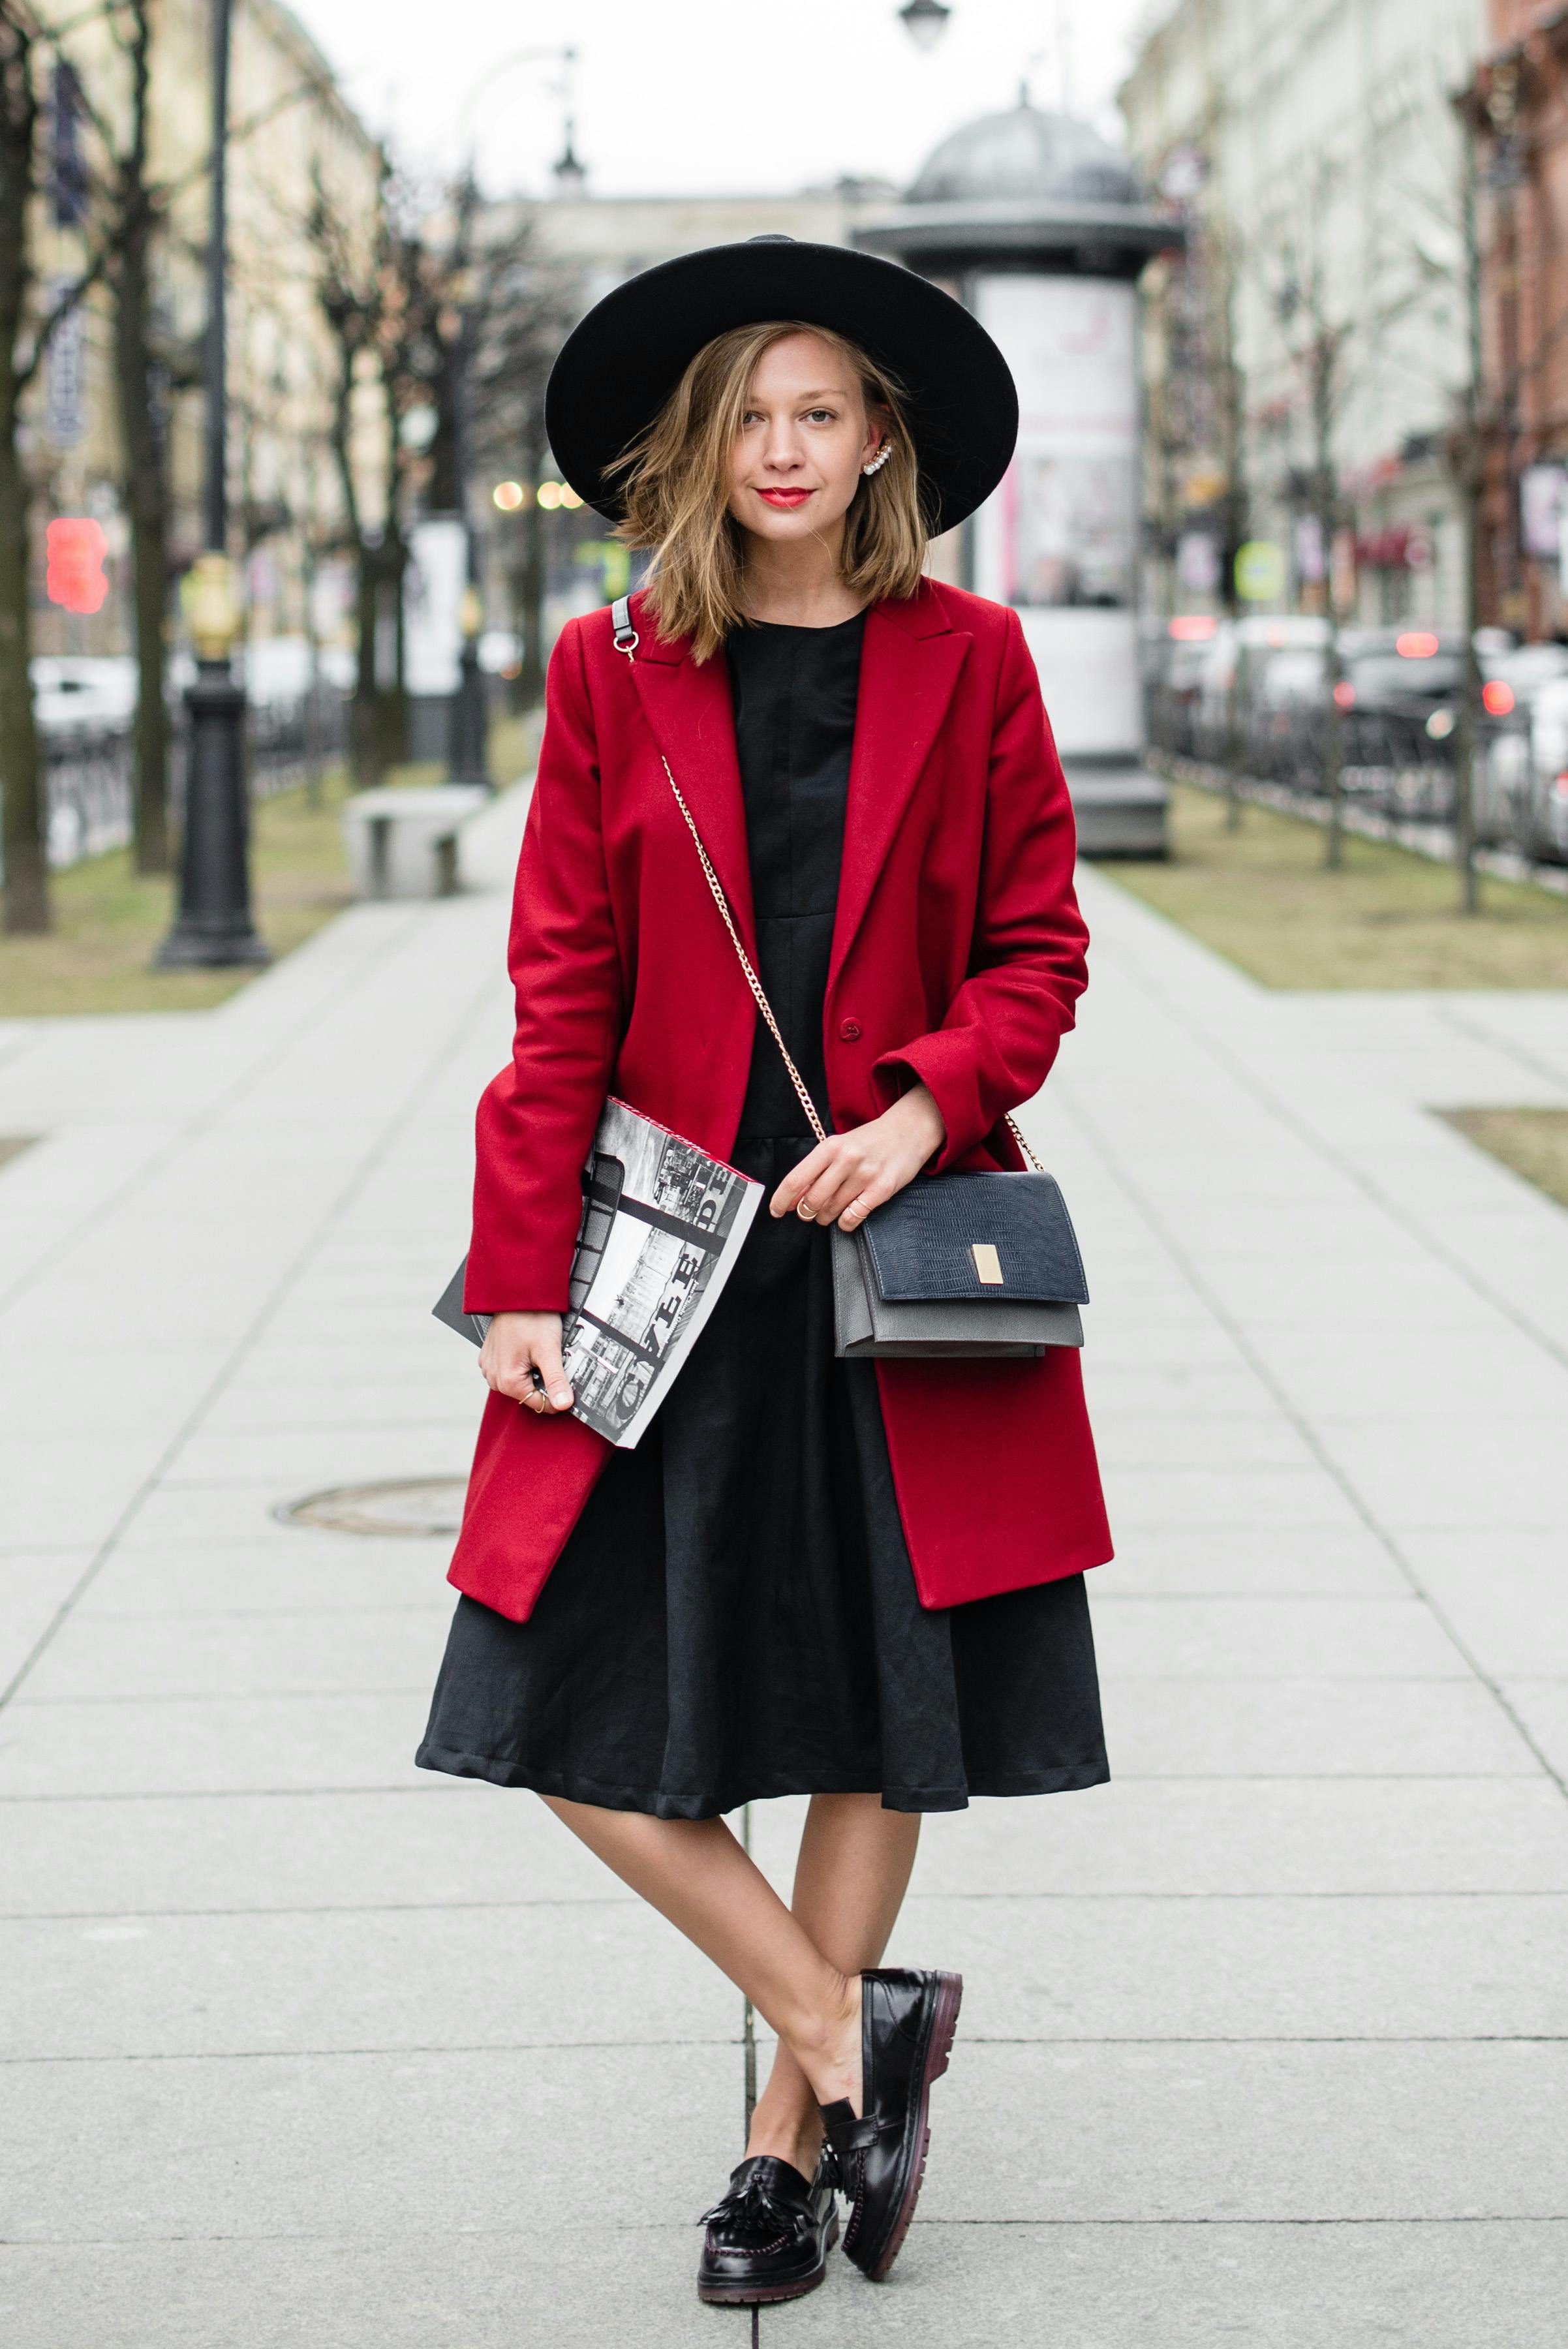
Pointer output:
1058, 540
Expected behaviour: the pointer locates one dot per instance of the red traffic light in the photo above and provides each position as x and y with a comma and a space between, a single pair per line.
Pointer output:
1497, 698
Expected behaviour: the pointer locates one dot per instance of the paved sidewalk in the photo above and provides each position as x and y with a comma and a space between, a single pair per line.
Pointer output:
1265, 2042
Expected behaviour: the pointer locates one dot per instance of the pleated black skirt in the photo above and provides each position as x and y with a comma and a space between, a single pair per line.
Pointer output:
734, 1616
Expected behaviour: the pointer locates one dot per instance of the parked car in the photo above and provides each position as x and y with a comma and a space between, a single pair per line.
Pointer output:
1543, 832
1525, 669
76, 694
276, 669
1401, 689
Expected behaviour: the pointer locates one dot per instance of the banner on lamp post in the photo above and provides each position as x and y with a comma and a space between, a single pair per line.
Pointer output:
1260, 571
433, 604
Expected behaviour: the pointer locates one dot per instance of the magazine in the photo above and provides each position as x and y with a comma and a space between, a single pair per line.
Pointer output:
661, 1227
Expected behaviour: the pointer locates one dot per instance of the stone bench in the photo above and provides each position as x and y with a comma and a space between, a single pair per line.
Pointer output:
403, 844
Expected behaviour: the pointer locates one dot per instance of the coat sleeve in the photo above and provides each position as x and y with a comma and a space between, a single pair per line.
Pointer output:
537, 1120
1026, 966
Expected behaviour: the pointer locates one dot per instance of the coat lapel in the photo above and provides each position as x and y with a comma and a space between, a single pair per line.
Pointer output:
689, 715
910, 664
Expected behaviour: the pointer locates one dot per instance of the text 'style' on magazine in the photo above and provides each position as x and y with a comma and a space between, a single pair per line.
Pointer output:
662, 1224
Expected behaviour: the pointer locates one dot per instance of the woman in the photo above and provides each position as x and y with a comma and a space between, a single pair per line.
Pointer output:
857, 1581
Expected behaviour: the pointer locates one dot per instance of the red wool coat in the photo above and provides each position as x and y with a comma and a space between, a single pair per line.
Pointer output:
957, 952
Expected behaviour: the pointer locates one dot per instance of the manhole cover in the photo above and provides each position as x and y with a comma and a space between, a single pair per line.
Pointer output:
404, 1504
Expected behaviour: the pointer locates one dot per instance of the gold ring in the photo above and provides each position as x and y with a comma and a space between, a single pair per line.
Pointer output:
806, 1213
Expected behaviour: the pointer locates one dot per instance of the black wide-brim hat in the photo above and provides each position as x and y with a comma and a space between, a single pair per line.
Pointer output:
620, 364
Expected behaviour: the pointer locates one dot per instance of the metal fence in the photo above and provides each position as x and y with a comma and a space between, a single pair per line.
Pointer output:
1393, 767
88, 772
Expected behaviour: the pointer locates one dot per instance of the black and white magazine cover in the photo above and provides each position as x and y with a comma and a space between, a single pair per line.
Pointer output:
662, 1224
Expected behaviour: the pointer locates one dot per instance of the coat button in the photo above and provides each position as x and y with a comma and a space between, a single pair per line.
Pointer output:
850, 1031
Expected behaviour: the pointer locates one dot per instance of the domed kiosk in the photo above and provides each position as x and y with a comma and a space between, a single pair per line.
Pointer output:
1042, 228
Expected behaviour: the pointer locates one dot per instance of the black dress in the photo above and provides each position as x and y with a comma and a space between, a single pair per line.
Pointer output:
734, 1614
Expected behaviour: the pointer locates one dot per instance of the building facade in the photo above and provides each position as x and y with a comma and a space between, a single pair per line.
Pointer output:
1307, 358
294, 140
1518, 114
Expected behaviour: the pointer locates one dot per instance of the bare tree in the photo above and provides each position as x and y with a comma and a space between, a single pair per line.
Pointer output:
140, 378
28, 324
410, 308
1467, 454
525, 304
1321, 353
383, 300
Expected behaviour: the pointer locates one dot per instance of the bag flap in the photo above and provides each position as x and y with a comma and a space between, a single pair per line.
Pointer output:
923, 1242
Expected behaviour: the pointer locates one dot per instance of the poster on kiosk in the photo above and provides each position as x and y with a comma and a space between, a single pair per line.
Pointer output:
1058, 540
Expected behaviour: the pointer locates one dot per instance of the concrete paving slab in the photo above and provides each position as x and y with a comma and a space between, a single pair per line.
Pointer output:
1305, 1729
1507, 1597
1258, 1497
182, 1516
1359, 1966
1190, 1395
1542, 1706
121, 1660
31, 1586
1289, 1637
543, 1974
1246, 1837
1134, 1439
1480, 2285
1124, 1334
436, 1841
1252, 1561
252, 1407
521, 2287
1341, 1375
1449, 1473
1305, 2131
332, 1573
328, 2145
305, 1458
213, 1745
1422, 1294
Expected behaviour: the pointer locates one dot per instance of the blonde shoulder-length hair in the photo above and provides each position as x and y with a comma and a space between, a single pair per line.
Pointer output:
676, 486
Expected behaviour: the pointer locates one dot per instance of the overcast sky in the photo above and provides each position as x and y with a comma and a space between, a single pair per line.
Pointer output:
708, 96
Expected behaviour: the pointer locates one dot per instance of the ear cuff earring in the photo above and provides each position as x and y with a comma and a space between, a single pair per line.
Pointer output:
879, 459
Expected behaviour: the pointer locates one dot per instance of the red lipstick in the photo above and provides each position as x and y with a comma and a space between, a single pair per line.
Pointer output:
785, 497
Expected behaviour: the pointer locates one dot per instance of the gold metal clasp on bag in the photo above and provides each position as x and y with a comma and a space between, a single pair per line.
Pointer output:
987, 1263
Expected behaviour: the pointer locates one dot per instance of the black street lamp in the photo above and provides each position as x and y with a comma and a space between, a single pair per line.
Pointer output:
469, 757
925, 21
212, 927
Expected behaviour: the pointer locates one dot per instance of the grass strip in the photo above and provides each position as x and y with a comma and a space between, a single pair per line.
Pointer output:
110, 919
1261, 897
1533, 1141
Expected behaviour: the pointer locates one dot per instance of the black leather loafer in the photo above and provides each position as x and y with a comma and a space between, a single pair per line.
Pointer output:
769, 2237
907, 2024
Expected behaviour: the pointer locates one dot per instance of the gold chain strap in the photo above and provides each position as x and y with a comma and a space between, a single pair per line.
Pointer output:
754, 983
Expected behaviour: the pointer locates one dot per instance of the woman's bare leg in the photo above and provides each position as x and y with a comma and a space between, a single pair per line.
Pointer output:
696, 1874
849, 1885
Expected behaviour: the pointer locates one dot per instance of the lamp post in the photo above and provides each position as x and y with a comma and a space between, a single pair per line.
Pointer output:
469, 755
925, 21
212, 927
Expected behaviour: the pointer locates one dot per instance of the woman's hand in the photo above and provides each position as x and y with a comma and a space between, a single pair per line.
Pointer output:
515, 1346
850, 1174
